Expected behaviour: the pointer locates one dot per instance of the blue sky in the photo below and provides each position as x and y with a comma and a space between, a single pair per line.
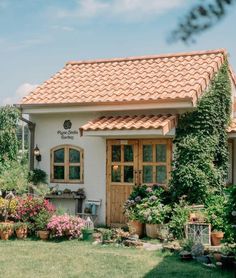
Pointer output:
37, 37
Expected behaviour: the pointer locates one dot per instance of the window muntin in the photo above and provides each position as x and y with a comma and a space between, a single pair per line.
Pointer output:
67, 164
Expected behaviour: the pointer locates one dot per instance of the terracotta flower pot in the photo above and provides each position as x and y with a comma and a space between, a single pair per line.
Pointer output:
152, 230
43, 235
216, 238
21, 233
10, 230
135, 227
192, 217
217, 256
4, 235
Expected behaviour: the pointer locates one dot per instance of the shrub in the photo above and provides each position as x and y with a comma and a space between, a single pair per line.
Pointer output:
9, 117
13, 177
8, 207
41, 220
230, 214
179, 218
37, 176
140, 195
65, 226
215, 211
29, 207
152, 211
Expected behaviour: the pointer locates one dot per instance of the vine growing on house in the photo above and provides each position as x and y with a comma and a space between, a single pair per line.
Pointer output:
201, 155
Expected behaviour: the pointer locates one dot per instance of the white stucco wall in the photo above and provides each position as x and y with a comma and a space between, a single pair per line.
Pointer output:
46, 137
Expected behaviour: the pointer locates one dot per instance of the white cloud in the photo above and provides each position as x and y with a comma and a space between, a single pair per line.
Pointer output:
131, 9
21, 91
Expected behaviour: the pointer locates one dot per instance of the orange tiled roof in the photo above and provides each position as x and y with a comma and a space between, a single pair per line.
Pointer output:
163, 122
182, 76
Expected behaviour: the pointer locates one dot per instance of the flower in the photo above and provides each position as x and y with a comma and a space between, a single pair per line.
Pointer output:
149, 189
153, 198
65, 226
138, 199
233, 213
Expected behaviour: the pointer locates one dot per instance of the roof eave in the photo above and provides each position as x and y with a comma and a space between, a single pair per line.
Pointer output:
106, 106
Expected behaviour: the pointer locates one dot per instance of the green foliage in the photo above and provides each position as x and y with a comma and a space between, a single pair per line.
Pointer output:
146, 202
13, 177
201, 154
180, 215
187, 244
152, 211
41, 220
9, 117
19, 225
215, 211
230, 211
37, 176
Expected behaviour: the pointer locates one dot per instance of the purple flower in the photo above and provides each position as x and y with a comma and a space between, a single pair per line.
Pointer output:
149, 189
138, 199
153, 198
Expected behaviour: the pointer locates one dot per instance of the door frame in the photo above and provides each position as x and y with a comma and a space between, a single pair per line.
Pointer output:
137, 160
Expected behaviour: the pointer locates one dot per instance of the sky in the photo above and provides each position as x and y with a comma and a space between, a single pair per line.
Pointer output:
37, 37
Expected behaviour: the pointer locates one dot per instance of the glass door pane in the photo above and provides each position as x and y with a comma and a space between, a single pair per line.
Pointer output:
147, 174
128, 153
161, 153
116, 153
147, 153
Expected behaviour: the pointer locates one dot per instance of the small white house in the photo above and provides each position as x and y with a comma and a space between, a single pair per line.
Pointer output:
107, 125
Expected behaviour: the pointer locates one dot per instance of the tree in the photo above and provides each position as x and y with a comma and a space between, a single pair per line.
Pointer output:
9, 117
201, 17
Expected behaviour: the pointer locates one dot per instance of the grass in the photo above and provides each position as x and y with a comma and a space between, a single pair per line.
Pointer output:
79, 259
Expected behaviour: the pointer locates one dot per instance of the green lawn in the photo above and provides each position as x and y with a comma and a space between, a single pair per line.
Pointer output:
79, 259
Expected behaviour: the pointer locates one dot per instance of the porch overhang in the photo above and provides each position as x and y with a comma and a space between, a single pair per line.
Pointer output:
141, 125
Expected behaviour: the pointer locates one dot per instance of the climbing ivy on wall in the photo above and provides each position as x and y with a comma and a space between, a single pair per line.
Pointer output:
201, 150
8, 140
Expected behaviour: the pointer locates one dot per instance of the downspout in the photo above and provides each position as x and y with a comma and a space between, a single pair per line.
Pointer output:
31, 127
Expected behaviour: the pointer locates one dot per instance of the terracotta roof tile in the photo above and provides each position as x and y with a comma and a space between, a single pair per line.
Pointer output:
163, 122
150, 78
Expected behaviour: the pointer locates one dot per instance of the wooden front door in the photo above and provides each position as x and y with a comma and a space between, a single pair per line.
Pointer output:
132, 163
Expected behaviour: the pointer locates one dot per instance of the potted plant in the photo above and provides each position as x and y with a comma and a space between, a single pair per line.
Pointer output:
21, 230
134, 222
5, 230
41, 222
216, 237
7, 208
132, 210
155, 215
215, 214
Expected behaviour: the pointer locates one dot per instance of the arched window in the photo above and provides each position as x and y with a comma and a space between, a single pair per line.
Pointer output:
67, 164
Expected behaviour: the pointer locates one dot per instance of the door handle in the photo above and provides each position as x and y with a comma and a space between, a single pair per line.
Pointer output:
135, 177
139, 177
